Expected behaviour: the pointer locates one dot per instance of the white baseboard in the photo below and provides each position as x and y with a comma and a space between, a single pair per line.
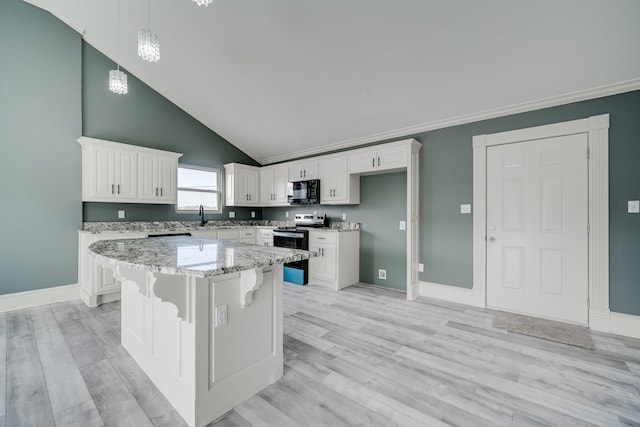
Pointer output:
446, 293
625, 324
20, 300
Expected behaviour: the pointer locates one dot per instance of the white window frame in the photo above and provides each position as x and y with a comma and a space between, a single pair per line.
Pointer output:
218, 192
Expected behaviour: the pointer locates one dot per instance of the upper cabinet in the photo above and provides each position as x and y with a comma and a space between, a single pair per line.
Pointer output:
241, 185
337, 186
386, 158
303, 170
157, 177
115, 172
273, 185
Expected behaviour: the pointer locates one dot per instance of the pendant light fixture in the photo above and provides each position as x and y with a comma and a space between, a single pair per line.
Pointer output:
148, 43
117, 78
203, 2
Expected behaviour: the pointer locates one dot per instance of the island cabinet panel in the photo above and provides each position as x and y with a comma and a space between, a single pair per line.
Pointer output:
202, 364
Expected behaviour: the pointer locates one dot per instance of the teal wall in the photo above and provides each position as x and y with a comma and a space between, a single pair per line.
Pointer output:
40, 176
446, 181
382, 245
145, 118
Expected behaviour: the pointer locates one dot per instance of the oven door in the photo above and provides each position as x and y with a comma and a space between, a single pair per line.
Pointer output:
290, 239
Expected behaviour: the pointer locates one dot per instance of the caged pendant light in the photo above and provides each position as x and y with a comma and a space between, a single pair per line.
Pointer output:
148, 42
117, 78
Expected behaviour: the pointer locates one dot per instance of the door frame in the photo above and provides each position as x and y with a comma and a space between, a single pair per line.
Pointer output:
597, 128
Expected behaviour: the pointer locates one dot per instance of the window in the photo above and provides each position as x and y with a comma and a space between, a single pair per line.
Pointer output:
198, 186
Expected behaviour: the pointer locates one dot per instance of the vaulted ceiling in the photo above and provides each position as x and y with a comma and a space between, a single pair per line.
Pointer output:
285, 78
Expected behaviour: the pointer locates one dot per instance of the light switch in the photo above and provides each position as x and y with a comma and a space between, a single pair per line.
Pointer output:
253, 214
465, 209
121, 214
633, 206
403, 225
286, 214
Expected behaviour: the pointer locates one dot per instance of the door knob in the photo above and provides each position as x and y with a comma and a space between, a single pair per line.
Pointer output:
491, 239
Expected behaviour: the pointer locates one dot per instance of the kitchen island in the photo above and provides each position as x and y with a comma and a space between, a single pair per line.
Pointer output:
202, 318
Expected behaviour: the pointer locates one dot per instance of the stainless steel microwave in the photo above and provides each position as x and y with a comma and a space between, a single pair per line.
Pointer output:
304, 192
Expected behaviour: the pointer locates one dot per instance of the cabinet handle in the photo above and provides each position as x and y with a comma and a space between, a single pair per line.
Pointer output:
304, 173
156, 191
112, 191
161, 191
321, 238
300, 173
373, 162
378, 160
118, 188
321, 252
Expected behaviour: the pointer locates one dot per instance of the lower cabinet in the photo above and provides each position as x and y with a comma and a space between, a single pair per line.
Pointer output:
97, 284
264, 237
338, 265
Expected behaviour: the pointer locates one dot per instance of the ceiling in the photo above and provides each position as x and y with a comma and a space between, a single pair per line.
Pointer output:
285, 78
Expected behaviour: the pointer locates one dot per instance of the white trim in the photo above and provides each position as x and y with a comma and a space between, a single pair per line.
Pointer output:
20, 300
625, 324
447, 293
597, 128
583, 95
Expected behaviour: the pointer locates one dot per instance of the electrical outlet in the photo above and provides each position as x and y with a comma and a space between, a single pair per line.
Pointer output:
344, 216
253, 214
121, 214
420, 268
633, 206
403, 225
286, 214
465, 209
382, 274
221, 315
232, 214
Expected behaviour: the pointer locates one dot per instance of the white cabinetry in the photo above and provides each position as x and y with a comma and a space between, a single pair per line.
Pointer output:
273, 185
338, 265
382, 159
264, 237
157, 177
115, 172
109, 172
300, 171
337, 186
97, 284
241, 185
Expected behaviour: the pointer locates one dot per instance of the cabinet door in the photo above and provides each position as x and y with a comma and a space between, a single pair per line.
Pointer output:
310, 170
147, 176
327, 180
296, 171
253, 180
101, 172
266, 186
280, 180
329, 262
167, 173
362, 162
315, 263
340, 180
391, 158
126, 173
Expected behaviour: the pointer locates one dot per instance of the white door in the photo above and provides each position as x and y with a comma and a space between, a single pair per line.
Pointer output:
267, 192
148, 176
537, 238
126, 174
102, 169
280, 180
167, 174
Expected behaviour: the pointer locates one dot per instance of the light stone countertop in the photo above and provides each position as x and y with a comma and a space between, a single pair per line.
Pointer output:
191, 256
188, 226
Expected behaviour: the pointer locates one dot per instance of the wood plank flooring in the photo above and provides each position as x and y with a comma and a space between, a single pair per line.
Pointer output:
360, 357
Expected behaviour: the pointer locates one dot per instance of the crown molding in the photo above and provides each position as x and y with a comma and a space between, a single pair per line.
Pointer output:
599, 92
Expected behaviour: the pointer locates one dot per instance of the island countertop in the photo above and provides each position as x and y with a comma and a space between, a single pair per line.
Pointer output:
191, 256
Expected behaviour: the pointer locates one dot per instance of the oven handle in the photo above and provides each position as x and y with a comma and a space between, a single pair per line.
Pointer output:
287, 234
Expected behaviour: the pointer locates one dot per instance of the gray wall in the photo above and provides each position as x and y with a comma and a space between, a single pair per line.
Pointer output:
446, 181
39, 124
145, 118
382, 244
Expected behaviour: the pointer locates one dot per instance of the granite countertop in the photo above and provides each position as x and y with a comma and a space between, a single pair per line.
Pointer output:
188, 226
191, 256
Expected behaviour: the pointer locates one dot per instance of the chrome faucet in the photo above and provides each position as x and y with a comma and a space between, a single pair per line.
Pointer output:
201, 214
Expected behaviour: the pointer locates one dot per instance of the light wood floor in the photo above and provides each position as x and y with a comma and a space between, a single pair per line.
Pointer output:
360, 357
